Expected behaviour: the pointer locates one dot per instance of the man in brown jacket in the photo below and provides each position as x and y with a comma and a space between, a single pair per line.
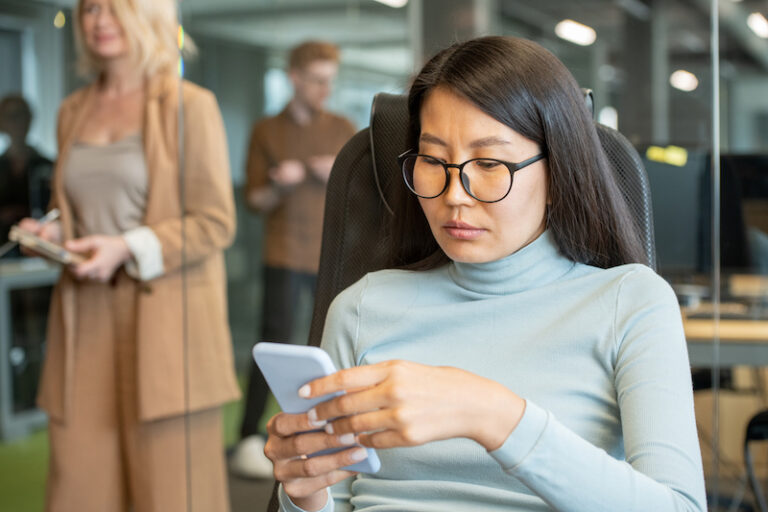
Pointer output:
289, 162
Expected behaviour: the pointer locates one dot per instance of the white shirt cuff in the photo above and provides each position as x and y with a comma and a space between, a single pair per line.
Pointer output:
147, 261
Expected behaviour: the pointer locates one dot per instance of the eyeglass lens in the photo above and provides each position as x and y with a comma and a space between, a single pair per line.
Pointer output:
484, 179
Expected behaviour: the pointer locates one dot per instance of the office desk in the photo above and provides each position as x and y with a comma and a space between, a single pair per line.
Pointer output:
742, 342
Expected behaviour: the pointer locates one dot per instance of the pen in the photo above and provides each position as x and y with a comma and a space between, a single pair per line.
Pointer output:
45, 219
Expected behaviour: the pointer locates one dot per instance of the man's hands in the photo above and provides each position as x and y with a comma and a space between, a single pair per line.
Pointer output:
292, 172
288, 173
320, 166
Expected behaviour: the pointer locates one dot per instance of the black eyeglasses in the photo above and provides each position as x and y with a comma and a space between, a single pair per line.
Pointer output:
486, 179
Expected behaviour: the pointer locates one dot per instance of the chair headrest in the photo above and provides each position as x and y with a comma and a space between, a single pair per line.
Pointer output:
389, 115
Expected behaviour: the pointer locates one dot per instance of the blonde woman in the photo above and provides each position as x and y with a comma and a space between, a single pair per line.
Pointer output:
133, 382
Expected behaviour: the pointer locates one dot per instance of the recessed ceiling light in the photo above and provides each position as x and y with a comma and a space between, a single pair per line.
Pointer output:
393, 3
575, 32
609, 117
759, 25
684, 80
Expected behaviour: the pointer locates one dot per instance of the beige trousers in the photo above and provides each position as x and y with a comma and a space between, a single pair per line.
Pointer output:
103, 458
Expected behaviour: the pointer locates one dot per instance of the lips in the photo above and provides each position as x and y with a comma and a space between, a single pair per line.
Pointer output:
462, 231
105, 38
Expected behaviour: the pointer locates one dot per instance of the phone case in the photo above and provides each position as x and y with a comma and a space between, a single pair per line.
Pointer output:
286, 368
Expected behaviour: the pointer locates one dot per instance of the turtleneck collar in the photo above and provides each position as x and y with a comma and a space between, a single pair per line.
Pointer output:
537, 264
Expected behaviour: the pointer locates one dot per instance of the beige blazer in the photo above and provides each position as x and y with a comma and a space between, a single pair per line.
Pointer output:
169, 337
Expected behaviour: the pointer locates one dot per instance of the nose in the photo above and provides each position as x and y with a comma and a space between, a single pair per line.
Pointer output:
103, 16
456, 194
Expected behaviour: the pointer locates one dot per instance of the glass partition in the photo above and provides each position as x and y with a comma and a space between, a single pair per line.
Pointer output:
650, 65
742, 199
35, 78
89, 142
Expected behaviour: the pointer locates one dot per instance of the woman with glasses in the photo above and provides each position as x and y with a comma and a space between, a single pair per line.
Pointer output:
517, 356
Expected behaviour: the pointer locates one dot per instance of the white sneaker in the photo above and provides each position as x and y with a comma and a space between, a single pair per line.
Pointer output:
248, 459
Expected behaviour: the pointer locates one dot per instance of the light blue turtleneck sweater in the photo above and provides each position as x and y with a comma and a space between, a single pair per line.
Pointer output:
598, 355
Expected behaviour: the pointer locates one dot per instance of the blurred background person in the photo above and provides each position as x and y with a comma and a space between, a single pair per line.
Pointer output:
24, 173
134, 394
289, 161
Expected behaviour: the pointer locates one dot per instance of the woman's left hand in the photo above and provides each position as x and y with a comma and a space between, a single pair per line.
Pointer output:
400, 403
106, 254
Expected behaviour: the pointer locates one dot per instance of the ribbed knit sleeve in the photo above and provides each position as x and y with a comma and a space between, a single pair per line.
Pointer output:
662, 470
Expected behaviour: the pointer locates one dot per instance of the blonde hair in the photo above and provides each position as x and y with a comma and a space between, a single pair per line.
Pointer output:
151, 30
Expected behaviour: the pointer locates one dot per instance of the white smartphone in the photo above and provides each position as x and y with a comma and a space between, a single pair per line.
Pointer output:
288, 367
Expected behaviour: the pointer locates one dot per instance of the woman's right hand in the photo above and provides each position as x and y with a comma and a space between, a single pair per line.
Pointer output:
305, 479
50, 231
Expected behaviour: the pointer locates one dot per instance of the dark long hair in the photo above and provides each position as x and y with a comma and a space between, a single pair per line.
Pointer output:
524, 86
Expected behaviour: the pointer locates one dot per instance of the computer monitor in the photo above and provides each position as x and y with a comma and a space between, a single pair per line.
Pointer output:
750, 204
677, 214
682, 209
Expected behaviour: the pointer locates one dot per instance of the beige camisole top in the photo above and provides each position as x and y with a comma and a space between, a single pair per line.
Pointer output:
107, 186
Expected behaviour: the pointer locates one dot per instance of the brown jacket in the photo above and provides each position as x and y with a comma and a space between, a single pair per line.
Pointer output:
209, 223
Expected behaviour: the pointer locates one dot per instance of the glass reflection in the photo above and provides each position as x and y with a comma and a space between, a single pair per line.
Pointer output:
242, 58
138, 357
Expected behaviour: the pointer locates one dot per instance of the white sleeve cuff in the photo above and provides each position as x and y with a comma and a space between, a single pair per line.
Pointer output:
286, 505
147, 261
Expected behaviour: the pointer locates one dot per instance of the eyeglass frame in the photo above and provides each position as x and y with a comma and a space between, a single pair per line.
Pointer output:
511, 166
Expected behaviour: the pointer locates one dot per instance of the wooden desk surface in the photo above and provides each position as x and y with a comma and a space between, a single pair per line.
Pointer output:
750, 331
742, 342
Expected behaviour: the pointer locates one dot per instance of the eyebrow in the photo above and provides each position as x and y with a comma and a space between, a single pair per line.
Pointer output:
479, 143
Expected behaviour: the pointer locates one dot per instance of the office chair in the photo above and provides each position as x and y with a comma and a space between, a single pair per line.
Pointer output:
358, 202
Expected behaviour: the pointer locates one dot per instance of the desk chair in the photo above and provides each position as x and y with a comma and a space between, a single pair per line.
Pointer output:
359, 192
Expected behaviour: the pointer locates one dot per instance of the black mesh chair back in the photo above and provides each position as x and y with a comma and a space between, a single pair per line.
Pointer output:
362, 180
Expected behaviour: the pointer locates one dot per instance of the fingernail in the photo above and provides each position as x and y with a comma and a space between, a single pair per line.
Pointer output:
329, 429
304, 391
359, 454
347, 438
312, 416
